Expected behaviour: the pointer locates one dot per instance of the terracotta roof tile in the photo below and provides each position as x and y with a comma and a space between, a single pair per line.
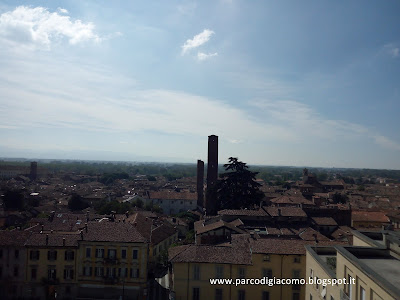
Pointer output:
324, 221
286, 211
369, 216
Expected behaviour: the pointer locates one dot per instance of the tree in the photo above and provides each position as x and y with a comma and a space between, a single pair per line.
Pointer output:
340, 198
237, 188
14, 199
77, 203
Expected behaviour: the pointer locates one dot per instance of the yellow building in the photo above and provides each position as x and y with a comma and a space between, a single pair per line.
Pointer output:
374, 271
245, 257
51, 265
112, 260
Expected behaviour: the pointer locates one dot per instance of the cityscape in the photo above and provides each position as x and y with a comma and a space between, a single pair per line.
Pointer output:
199, 150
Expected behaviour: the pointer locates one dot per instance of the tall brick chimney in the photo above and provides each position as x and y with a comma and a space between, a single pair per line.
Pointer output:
212, 174
200, 183
212, 163
33, 173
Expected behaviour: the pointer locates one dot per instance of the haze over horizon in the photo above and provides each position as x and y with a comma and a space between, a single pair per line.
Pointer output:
288, 83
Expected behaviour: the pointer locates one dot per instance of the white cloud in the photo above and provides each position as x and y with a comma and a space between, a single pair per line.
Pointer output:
392, 50
37, 28
305, 123
62, 10
204, 56
187, 8
197, 40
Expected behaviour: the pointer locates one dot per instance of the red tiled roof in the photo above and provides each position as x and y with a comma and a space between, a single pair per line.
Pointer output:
243, 212
236, 253
54, 240
369, 216
324, 221
168, 195
201, 228
161, 233
285, 211
14, 237
113, 232
285, 199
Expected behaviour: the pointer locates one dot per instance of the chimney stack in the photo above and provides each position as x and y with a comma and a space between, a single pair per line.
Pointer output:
47, 239
82, 235
33, 170
212, 174
86, 227
200, 183
63, 242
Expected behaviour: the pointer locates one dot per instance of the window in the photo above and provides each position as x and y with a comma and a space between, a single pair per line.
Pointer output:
265, 295
362, 293
316, 283
123, 253
196, 272
52, 255
87, 271
16, 253
68, 273
134, 273
296, 259
241, 294
1, 253
134, 254
16, 271
52, 273
1, 271
68, 289
242, 273
296, 274
266, 258
88, 252
34, 254
331, 298
296, 296
111, 272
196, 294
311, 273
99, 252
219, 271
218, 294
99, 271
69, 255
112, 253
267, 273
33, 274
311, 297
296, 287
123, 272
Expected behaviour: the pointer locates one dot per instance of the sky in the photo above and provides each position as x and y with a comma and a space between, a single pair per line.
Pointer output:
293, 83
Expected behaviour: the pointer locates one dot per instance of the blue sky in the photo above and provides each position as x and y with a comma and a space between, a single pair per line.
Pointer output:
301, 83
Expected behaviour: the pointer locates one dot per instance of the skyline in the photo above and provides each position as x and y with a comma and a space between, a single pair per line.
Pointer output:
291, 84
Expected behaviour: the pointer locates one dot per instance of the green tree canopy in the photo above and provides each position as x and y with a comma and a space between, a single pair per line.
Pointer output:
237, 188
77, 203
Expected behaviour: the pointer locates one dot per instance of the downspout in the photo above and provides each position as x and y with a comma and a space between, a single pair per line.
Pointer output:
281, 273
187, 290
230, 286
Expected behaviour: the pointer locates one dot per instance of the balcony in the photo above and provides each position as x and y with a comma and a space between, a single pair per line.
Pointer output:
110, 280
111, 261
343, 295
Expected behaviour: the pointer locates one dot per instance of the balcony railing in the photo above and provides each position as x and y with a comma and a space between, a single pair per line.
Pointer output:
111, 260
110, 280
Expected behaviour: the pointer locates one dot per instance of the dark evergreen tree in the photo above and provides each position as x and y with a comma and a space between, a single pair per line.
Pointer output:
237, 188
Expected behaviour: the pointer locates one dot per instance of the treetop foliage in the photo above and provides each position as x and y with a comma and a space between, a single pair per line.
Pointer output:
238, 187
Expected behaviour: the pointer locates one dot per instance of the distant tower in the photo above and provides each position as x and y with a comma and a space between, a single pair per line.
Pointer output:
212, 174
200, 183
33, 173
212, 163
